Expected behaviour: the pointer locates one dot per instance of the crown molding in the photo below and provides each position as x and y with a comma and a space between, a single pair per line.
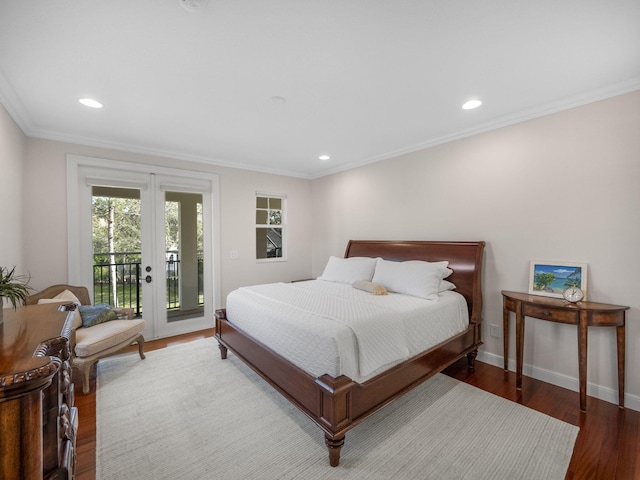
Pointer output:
16, 110
505, 121
12, 104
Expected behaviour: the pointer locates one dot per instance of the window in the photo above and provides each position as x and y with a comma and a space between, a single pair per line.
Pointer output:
270, 227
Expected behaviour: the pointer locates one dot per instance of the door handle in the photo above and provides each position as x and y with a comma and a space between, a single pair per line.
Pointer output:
147, 279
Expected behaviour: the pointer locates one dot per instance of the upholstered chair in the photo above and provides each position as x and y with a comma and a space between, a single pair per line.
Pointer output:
91, 343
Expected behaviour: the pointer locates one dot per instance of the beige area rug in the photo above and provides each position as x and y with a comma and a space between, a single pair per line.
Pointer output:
183, 413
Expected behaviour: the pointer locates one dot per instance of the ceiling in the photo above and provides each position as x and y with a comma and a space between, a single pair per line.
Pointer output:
270, 85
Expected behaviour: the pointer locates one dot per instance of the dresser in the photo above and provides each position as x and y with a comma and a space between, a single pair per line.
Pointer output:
581, 314
38, 420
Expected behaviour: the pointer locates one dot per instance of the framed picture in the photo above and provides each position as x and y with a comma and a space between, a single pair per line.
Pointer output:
551, 278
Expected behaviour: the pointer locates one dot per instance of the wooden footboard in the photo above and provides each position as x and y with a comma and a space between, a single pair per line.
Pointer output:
338, 404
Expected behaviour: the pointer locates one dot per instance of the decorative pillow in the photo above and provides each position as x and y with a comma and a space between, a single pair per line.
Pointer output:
95, 314
348, 270
370, 287
413, 277
64, 296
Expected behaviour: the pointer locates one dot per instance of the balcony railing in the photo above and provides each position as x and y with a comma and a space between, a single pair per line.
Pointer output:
124, 271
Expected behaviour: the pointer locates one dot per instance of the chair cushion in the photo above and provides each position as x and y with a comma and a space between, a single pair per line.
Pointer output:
98, 338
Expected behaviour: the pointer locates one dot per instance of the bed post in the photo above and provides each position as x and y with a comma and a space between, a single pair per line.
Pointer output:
221, 315
476, 310
335, 412
471, 359
335, 446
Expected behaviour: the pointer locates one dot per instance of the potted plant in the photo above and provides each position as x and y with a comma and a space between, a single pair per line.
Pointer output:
13, 287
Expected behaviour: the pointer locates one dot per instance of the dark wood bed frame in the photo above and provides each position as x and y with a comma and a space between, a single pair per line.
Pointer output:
338, 404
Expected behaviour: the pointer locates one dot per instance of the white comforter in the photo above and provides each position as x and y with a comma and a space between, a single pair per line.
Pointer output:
325, 327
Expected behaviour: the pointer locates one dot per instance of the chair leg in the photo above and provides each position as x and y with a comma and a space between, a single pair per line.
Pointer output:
86, 374
141, 346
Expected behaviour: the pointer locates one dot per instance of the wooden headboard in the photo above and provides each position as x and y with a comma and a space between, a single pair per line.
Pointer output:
465, 259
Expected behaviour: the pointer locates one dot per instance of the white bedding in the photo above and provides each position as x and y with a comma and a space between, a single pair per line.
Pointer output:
326, 327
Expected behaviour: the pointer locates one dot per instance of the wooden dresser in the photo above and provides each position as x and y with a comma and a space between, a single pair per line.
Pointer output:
38, 422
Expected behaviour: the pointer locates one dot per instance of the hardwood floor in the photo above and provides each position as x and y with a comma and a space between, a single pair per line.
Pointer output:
607, 447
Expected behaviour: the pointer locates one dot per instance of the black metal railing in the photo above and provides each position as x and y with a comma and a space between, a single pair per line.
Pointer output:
123, 270
173, 280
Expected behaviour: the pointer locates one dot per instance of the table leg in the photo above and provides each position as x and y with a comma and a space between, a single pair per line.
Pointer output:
621, 352
582, 360
519, 344
505, 337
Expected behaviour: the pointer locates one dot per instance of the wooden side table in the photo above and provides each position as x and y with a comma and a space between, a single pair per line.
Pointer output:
582, 314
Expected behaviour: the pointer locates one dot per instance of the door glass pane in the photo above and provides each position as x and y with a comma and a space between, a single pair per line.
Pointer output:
117, 240
184, 254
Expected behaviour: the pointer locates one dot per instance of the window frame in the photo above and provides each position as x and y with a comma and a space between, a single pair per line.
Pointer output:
283, 224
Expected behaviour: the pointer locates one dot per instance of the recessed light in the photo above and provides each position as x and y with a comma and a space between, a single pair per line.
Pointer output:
193, 6
471, 104
90, 102
278, 100
324, 157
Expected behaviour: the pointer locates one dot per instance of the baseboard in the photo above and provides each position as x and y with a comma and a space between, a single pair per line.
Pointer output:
598, 391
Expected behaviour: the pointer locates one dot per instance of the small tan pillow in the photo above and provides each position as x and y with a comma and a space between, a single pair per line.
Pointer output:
63, 297
374, 288
52, 300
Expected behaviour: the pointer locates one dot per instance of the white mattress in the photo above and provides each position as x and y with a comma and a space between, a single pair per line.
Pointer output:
326, 327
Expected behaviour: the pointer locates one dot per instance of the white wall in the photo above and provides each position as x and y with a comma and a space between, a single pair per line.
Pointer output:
45, 239
12, 148
565, 187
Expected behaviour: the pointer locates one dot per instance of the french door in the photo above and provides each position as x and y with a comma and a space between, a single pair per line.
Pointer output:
144, 239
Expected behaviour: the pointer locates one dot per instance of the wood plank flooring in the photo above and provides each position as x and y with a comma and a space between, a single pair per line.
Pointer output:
607, 448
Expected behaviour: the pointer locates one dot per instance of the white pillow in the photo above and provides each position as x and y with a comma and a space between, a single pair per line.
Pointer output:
446, 285
413, 277
348, 270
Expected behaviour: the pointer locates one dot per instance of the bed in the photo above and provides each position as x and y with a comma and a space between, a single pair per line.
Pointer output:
337, 403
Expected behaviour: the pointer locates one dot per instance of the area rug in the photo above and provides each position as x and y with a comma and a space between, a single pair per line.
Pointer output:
183, 413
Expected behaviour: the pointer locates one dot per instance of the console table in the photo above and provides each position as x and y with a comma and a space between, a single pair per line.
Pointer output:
39, 421
582, 314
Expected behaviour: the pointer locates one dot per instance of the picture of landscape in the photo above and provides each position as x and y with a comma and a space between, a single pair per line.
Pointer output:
551, 279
